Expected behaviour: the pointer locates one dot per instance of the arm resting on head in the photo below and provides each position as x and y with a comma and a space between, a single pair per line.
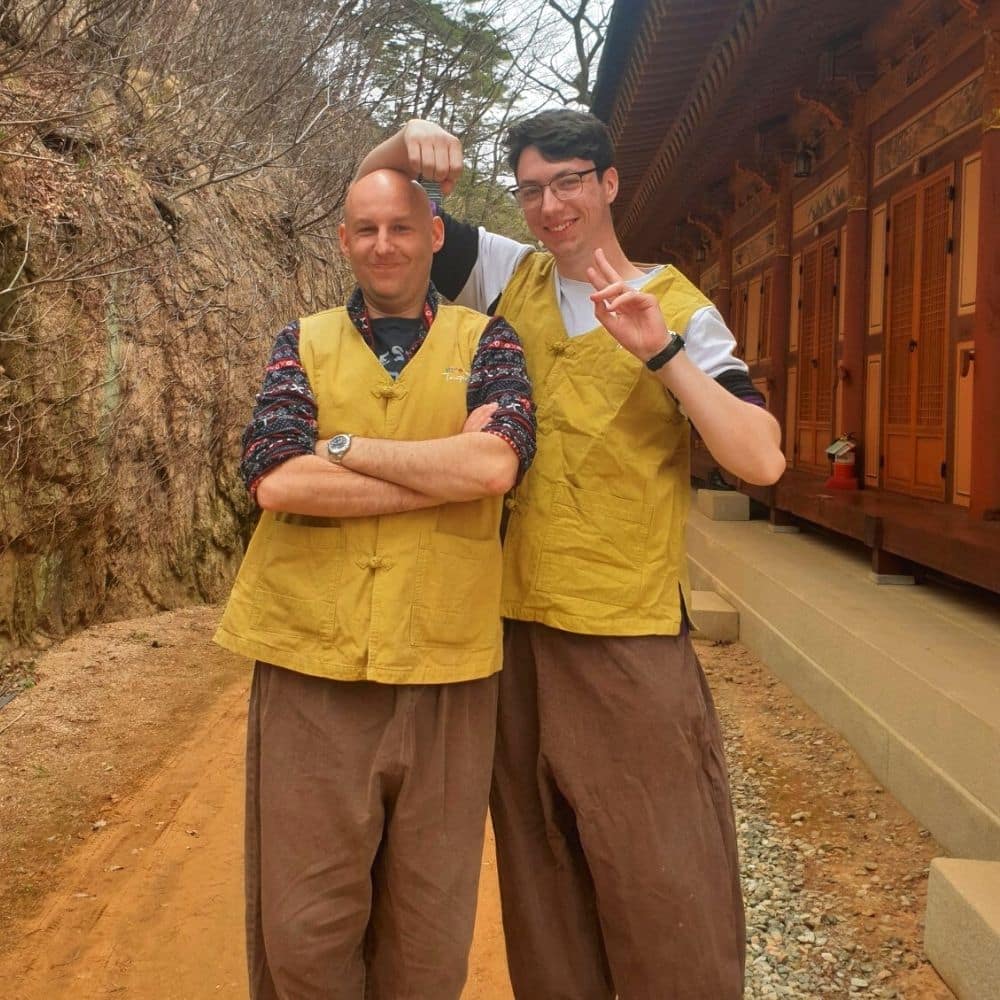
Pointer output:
418, 149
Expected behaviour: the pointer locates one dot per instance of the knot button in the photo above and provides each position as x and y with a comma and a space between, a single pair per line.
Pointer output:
374, 563
386, 392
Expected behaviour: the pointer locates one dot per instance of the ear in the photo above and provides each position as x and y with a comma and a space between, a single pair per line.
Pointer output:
342, 233
610, 182
437, 233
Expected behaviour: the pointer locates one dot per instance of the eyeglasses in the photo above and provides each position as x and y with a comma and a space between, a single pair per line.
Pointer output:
564, 186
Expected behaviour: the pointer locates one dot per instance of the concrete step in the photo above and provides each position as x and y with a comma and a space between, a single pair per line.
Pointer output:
723, 505
713, 617
910, 676
962, 936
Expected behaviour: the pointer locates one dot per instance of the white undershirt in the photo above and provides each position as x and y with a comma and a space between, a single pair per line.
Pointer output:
707, 339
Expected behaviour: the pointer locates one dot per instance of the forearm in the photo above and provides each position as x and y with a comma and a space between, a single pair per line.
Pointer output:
314, 486
462, 467
743, 438
391, 154
418, 149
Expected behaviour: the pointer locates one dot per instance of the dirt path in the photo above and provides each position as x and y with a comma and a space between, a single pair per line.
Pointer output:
121, 779
149, 904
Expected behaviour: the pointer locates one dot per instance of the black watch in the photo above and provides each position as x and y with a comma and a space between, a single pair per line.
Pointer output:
674, 346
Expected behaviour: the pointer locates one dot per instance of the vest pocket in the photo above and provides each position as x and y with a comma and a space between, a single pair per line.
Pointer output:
456, 597
297, 587
594, 548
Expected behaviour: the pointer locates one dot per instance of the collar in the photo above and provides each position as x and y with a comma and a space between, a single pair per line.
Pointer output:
357, 309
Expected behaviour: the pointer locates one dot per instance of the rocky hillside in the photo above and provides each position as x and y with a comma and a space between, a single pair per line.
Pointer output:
133, 327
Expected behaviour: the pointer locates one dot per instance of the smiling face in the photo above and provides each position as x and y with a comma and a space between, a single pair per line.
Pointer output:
389, 238
570, 230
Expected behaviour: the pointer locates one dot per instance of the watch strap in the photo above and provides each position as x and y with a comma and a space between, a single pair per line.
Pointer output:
674, 346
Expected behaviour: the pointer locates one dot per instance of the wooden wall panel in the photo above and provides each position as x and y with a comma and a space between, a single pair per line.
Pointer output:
876, 300
969, 234
752, 318
738, 319
793, 325
962, 490
841, 281
791, 404
764, 341
873, 418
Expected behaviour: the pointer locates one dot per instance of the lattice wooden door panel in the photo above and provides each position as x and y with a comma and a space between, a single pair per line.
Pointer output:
916, 353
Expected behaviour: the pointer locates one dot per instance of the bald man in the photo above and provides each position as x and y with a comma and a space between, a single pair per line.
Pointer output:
380, 446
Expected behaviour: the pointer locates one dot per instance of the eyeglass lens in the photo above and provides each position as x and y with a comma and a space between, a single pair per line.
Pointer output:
562, 187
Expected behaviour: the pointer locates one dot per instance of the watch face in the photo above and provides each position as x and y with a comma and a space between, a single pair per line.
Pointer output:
338, 444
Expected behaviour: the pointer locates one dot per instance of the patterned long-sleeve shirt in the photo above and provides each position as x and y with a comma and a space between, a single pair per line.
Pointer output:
284, 422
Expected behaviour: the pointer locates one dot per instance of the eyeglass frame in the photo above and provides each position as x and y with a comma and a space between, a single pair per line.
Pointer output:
515, 190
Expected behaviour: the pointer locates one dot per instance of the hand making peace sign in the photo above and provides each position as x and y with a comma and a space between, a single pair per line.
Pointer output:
632, 317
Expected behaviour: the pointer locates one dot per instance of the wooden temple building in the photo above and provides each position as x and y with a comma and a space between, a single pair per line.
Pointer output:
829, 174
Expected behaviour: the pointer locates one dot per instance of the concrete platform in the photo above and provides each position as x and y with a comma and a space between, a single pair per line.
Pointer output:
909, 675
962, 936
723, 505
713, 617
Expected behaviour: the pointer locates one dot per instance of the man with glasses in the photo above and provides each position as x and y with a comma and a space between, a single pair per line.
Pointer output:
616, 845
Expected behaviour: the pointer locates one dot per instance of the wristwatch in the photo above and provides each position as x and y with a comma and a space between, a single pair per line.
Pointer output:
674, 346
338, 446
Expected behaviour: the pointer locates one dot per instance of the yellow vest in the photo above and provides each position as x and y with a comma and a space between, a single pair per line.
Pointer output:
595, 540
406, 598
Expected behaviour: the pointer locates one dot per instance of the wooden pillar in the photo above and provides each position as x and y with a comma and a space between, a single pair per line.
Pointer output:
723, 298
851, 369
781, 298
985, 500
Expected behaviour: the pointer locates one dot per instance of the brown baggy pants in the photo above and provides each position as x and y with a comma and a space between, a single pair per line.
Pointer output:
366, 810
616, 846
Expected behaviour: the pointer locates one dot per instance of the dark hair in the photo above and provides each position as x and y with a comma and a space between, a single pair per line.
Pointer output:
561, 134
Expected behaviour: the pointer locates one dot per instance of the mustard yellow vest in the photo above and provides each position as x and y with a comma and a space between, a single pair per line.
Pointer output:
595, 540
403, 598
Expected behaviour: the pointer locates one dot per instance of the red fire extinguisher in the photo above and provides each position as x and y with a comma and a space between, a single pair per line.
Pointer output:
842, 454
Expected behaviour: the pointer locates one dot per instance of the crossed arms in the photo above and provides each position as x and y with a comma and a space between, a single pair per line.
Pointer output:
380, 476
286, 468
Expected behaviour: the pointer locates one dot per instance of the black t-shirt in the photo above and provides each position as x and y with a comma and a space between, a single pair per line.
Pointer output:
394, 338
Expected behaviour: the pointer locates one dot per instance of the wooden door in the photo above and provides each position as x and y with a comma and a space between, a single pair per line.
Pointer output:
916, 355
817, 337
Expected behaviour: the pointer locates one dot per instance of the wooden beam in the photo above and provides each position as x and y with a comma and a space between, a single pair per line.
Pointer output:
828, 106
766, 175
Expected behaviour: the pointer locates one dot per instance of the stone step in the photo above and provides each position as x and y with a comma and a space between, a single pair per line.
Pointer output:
962, 936
713, 617
723, 505
910, 676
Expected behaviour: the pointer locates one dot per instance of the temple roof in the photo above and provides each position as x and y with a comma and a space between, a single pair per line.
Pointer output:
684, 86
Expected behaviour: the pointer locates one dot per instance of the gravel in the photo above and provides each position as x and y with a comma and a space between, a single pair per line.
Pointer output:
798, 939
